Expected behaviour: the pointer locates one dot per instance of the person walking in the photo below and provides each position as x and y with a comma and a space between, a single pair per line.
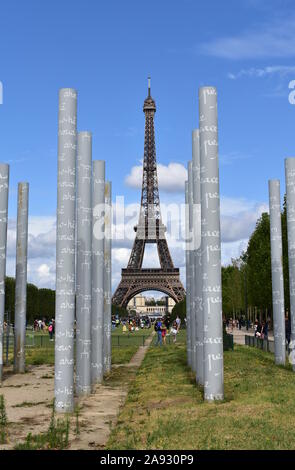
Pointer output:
50, 331
158, 329
178, 322
255, 327
164, 332
258, 330
264, 332
174, 331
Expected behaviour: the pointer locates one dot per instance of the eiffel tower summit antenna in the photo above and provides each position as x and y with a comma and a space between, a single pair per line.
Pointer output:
150, 229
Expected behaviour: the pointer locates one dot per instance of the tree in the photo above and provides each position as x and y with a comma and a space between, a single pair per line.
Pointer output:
121, 311
232, 289
179, 309
258, 262
10, 297
40, 302
32, 303
46, 303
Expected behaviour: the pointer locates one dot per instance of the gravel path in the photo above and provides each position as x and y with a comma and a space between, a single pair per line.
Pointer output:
29, 397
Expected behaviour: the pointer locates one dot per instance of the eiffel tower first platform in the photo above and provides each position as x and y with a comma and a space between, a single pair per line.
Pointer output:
150, 229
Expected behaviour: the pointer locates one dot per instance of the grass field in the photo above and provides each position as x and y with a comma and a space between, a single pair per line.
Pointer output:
124, 346
165, 409
40, 339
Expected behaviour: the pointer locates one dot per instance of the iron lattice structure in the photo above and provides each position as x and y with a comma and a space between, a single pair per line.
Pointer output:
150, 229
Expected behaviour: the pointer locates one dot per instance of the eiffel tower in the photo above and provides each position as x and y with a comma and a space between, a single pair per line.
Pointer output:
150, 229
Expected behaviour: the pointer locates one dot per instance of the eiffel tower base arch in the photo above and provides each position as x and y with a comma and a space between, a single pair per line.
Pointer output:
134, 281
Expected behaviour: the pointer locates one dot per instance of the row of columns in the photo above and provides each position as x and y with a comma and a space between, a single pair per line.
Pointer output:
290, 197
203, 260
203, 252
21, 267
83, 261
277, 261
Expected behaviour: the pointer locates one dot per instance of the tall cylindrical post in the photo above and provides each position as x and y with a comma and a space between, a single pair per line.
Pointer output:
191, 266
108, 279
65, 251
197, 258
290, 191
83, 265
21, 277
98, 208
188, 287
277, 271
4, 187
210, 239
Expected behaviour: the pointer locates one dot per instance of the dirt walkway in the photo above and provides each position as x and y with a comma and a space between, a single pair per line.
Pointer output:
29, 398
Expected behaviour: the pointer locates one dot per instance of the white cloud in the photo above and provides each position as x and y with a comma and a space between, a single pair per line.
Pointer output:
280, 70
231, 158
171, 177
41, 250
238, 218
274, 39
232, 250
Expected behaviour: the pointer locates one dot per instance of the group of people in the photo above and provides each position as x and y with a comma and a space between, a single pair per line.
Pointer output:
261, 328
42, 325
162, 326
136, 323
232, 323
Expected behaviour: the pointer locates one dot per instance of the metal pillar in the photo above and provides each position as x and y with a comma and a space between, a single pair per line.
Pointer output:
107, 340
98, 207
277, 271
188, 288
290, 191
191, 267
65, 251
83, 266
210, 239
21, 278
4, 187
197, 257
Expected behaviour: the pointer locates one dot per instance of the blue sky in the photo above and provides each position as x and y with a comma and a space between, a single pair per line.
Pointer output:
106, 50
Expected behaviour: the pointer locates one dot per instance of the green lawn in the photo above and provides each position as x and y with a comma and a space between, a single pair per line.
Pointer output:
124, 346
165, 409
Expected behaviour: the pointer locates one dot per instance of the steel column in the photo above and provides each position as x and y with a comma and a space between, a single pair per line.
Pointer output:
107, 345
65, 251
210, 239
191, 266
98, 208
83, 266
21, 278
197, 258
188, 288
290, 191
4, 188
277, 271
